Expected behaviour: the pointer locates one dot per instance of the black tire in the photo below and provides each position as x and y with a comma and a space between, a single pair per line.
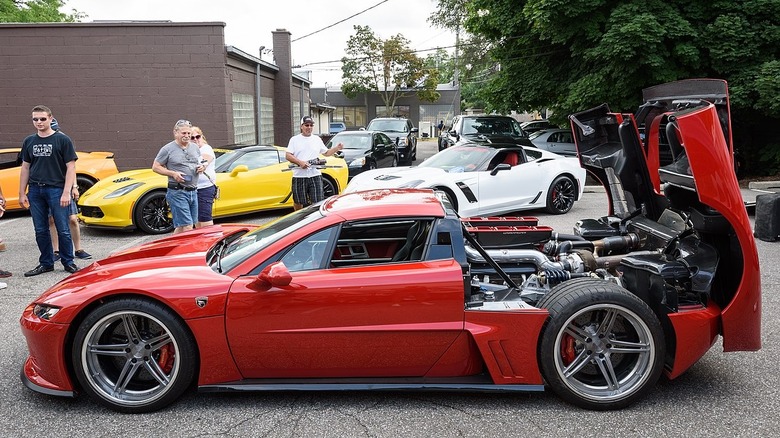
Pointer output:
561, 195
329, 188
395, 161
371, 165
152, 214
134, 355
84, 183
596, 365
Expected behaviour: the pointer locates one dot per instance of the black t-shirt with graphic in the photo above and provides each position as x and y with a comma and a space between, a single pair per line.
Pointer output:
47, 157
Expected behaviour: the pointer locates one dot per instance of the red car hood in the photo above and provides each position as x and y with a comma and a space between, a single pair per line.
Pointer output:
168, 261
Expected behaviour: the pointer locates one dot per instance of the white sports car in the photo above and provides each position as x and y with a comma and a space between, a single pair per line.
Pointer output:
489, 179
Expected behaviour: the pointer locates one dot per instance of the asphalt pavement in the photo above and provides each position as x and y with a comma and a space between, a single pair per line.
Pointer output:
725, 394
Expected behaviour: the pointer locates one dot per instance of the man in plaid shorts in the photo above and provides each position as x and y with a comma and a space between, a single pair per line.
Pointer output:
307, 180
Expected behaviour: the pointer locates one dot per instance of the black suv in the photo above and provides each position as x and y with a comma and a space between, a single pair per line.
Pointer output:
496, 129
400, 130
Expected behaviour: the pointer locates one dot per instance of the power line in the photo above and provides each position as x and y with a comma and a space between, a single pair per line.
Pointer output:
339, 22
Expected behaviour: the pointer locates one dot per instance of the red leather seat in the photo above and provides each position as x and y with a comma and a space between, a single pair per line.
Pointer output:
511, 159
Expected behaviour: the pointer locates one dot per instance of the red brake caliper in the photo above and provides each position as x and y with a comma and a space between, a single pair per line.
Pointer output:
166, 358
567, 349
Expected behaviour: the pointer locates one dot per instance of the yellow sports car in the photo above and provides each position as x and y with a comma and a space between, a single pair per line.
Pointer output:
250, 179
90, 167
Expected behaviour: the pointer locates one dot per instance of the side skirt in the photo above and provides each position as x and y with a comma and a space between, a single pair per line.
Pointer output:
477, 384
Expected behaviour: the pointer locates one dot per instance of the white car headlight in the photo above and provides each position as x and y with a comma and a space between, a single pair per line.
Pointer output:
411, 184
360, 162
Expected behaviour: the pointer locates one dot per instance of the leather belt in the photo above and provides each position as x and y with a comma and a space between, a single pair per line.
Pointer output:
178, 186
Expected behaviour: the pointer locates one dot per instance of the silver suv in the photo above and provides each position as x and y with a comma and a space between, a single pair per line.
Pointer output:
399, 130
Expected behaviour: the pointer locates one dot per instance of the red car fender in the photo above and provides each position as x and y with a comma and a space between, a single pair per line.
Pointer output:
508, 342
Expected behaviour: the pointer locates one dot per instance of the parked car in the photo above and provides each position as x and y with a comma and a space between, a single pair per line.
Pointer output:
558, 141
495, 128
488, 179
390, 289
366, 150
535, 125
401, 129
252, 178
90, 168
336, 127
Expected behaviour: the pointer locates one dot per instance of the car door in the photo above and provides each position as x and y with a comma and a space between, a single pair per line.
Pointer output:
526, 180
561, 142
383, 318
384, 149
254, 180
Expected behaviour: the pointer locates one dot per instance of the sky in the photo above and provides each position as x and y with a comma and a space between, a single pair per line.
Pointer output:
249, 24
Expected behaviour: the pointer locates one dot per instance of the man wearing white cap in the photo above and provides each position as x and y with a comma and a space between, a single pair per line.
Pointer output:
307, 180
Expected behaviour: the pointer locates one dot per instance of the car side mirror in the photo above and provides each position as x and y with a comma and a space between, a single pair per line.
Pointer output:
415, 130
238, 169
339, 154
500, 167
274, 275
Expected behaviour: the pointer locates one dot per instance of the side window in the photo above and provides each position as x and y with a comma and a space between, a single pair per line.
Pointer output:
256, 159
383, 241
533, 154
555, 137
566, 137
309, 254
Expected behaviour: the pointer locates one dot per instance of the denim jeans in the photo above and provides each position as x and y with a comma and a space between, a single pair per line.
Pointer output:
45, 200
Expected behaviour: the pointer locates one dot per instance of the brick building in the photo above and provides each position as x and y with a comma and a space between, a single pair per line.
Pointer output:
121, 86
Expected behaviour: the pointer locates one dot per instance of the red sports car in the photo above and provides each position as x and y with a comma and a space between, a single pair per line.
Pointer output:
390, 289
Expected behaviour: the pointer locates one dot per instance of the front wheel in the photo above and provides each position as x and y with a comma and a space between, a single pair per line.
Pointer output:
561, 195
603, 347
134, 355
152, 214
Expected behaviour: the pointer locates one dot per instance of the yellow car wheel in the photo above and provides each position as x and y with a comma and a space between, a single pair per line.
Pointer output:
152, 214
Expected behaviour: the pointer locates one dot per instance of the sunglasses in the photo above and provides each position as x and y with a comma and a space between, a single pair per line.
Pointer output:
183, 122
196, 137
309, 125
41, 119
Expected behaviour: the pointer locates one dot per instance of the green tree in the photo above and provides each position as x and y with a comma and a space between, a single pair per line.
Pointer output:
569, 56
35, 11
387, 66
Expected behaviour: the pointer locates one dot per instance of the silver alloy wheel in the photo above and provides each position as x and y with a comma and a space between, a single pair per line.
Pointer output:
604, 352
130, 358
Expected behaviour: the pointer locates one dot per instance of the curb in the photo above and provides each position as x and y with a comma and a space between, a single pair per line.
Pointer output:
764, 185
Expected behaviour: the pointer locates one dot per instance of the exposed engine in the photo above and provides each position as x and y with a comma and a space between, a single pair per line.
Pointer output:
664, 262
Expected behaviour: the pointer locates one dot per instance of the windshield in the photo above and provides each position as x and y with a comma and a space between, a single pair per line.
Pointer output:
459, 158
387, 125
251, 243
491, 126
535, 134
352, 141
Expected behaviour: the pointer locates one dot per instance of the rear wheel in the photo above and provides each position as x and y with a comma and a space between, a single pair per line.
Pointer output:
152, 214
329, 187
134, 355
84, 183
561, 195
603, 347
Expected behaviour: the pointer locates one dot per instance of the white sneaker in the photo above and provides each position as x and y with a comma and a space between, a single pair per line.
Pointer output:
3, 285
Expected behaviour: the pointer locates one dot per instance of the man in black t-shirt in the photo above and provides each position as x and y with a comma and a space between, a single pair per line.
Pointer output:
49, 169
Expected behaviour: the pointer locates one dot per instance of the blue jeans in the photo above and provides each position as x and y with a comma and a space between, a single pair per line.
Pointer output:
45, 200
184, 206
